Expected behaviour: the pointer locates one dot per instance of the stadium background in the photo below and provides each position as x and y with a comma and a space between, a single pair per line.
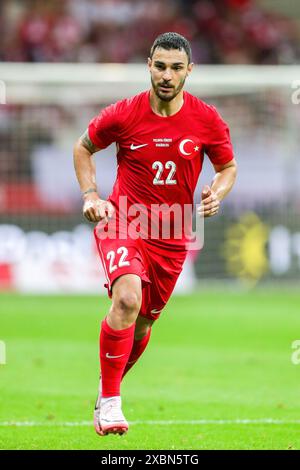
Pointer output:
61, 62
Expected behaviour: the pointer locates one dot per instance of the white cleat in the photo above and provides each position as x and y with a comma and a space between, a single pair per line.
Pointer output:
111, 419
108, 416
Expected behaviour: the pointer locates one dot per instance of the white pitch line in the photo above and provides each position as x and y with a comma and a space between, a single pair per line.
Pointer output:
147, 422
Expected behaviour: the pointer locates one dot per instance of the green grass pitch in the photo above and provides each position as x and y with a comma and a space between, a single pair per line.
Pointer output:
215, 358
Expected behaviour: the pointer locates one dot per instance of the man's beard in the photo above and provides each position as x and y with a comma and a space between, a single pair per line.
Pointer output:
171, 95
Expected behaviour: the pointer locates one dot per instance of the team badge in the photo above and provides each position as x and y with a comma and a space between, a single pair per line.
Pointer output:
189, 147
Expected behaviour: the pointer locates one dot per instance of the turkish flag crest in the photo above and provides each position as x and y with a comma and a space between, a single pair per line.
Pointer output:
189, 147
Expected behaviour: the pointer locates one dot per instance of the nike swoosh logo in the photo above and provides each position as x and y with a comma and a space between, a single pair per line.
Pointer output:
156, 310
134, 147
113, 357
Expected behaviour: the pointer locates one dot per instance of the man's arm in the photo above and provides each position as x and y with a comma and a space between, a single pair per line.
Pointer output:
94, 208
221, 185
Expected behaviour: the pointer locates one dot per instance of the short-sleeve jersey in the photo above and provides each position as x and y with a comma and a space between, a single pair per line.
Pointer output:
160, 158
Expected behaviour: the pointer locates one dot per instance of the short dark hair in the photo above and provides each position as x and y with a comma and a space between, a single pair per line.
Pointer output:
172, 41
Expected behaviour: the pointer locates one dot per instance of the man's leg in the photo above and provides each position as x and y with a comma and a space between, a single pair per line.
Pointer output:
116, 341
163, 273
142, 334
117, 332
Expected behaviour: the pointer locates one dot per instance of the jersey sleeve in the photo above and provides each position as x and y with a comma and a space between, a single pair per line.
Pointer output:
219, 147
103, 129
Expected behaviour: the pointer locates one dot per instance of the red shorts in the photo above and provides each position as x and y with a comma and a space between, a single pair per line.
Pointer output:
158, 272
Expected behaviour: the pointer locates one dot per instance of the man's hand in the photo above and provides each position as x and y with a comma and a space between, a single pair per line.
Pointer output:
210, 203
96, 209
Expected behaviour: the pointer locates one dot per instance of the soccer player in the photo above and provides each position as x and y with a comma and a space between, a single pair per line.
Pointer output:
161, 137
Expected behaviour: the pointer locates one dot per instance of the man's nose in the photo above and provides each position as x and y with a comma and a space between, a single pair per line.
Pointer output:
167, 76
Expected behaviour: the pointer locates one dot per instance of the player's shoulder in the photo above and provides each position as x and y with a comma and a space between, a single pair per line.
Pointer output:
203, 110
127, 106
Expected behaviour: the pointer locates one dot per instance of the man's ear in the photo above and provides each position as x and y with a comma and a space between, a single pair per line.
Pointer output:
190, 68
149, 61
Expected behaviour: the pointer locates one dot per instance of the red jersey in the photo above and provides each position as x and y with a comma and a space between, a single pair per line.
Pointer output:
160, 158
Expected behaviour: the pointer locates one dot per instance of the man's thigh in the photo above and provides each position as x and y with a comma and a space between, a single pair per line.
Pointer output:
119, 258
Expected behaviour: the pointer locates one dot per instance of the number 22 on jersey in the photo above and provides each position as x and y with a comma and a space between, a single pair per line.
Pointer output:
158, 179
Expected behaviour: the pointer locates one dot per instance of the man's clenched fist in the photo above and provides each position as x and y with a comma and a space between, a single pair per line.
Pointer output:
210, 203
96, 209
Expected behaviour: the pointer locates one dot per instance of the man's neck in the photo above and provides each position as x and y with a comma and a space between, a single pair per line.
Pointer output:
166, 108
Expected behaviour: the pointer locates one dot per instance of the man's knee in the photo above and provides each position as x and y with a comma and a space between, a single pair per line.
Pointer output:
124, 310
127, 294
127, 301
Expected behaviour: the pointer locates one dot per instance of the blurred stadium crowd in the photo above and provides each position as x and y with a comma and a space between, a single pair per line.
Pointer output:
36, 139
43, 244
220, 31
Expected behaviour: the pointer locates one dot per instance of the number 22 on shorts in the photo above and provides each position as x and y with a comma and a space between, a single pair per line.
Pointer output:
111, 257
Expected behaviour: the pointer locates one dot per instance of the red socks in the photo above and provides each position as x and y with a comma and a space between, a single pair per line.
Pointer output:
138, 348
115, 349
118, 353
